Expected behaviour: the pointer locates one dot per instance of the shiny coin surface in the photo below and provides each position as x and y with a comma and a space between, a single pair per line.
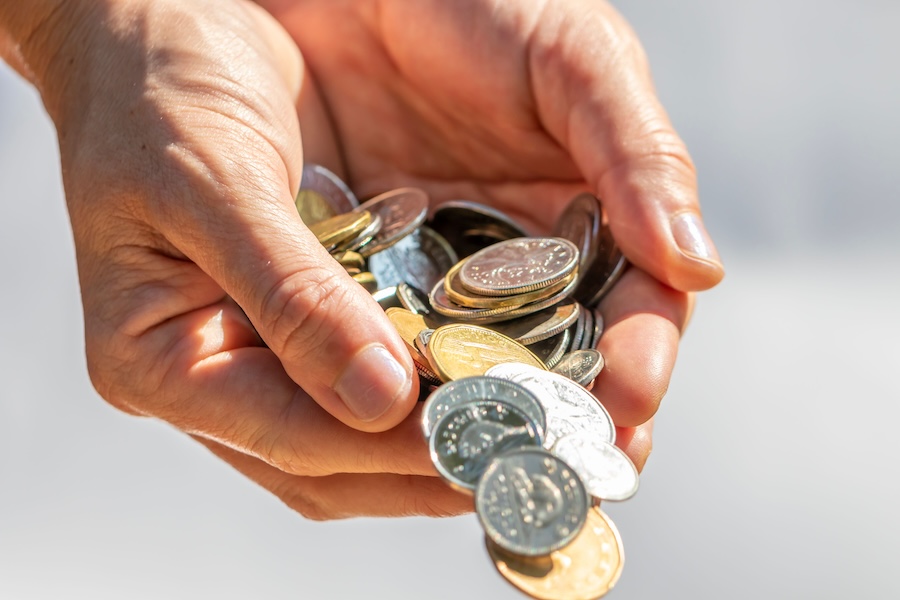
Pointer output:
362, 238
602, 269
472, 389
530, 502
467, 437
581, 366
470, 226
367, 280
313, 207
458, 294
551, 350
414, 299
588, 330
570, 408
580, 223
518, 266
401, 211
586, 569
349, 259
419, 259
578, 330
422, 340
387, 298
462, 350
319, 179
408, 325
541, 325
340, 227
598, 328
606, 471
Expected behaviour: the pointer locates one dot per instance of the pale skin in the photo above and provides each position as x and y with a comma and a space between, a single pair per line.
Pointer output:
183, 128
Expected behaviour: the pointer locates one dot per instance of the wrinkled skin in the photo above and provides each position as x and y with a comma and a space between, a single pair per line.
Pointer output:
183, 128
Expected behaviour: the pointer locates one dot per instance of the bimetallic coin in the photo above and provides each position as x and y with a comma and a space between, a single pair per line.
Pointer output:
401, 211
606, 471
472, 389
518, 266
467, 437
419, 259
470, 226
530, 502
313, 207
581, 366
319, 179
340, 227
570, 408
460, 350
586, 569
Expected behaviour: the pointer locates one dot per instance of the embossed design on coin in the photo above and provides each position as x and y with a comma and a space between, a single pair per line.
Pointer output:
581, 366
472, 389
530, 502
401, 211
461, 350
466, 438
586, 569
518, 265
570, 407
606, 471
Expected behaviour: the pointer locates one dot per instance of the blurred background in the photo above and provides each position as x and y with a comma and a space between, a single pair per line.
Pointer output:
774, 471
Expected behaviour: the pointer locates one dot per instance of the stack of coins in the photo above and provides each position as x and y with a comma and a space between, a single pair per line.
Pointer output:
533, 445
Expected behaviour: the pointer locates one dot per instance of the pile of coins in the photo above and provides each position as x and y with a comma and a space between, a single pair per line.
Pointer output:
534, 446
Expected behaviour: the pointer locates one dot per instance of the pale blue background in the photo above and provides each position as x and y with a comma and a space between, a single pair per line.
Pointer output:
775, 465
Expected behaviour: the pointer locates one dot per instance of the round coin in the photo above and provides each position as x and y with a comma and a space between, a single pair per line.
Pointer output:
580, 223
313, 207
540, 325
401, 211
519, 265
472, 389
319, 179
462, 350
581, 366
570, 408
467, 437
586, 569
340, 227
606, 471
530, 502
470, 226
419, 259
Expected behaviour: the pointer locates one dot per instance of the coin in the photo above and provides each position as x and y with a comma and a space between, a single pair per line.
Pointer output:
586, 569
319, 179
458, 294
413, 299
570, 407
606, 471
598, 328
387, 298
471, 389
367, 280
419, 259
588, 330
470, 226
362, 238
340, 227
530, 502
581, 366
401, 211
349, 259
518, 265
313, 207
461, 350
422, 340
603, 267
467, 437
551, 350
578, 329
580, 223
541, 325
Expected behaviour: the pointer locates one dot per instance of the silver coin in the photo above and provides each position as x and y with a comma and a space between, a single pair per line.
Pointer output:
321, 180
578, 330
422, 340
551, 350
362, 238
413, 299
588, 330
401, 210
470, 226
541, 325
518, 265
530, 502
581, 366
606, 471
420, 259
467, 437
580, 223
598, 328
570, 408
387, 298
471, 389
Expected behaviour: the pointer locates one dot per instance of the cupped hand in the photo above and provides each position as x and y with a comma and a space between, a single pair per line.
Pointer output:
181, 155
522, 104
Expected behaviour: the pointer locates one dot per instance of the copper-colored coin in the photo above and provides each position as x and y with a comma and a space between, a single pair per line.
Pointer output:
586, 569
460, 350
519, 265
340, 227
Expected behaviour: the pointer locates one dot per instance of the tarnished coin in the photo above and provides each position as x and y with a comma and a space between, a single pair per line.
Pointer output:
606, 471
401, 211
570, 408
551, 350
586, 569
319, 179
470, 226
519, 265
472, 389
340, 227
467, 437
313, 207
462, 350
419, 259
530, 502
581, 366
602, 269
541, 325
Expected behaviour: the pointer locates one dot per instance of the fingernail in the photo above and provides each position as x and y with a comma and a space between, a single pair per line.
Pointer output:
371, 382
691, 237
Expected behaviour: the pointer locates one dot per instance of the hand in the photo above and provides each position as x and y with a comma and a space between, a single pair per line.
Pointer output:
181, 155
521, 104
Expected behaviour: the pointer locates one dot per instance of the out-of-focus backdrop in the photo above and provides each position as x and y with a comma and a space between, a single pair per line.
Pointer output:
775, 465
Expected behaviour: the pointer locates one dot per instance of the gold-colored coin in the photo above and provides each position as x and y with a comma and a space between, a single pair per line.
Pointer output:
584, 570
408, 325
367, 280
460, 295
351, 260
313, 206
461, 350
340, 227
